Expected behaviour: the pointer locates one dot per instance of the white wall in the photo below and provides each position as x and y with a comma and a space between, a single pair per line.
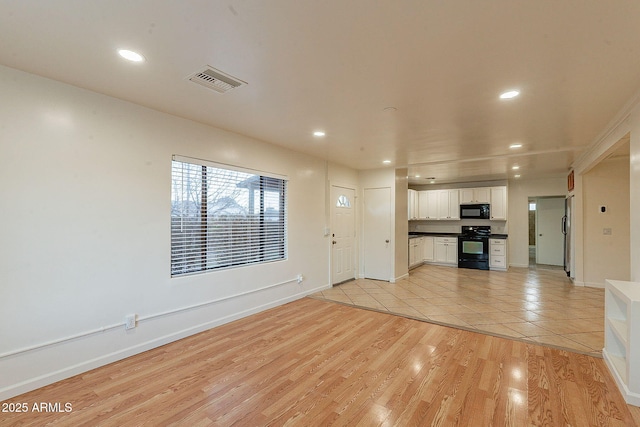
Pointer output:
634, 193
85, 184
401, 258
606, 256
518, 217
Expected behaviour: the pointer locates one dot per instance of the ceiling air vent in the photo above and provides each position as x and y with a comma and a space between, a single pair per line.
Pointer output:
216, 80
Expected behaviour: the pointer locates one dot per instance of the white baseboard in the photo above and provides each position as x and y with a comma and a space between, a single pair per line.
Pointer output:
518, 265
593, 285
404, 276
30, 384
632, 398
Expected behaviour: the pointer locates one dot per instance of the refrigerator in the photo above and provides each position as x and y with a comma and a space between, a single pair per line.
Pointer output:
569, 238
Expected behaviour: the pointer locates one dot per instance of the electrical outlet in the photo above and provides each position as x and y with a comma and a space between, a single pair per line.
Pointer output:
300, 278
130, 321
606, 231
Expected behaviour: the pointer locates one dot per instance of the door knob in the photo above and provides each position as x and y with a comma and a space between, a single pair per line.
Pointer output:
386, 241
334, 242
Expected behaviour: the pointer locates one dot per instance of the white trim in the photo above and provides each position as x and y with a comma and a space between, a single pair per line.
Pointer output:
615, 129
67, 372
140, 319
204, 162
593, 285
518, 265
356, 236
629, 396
404, 276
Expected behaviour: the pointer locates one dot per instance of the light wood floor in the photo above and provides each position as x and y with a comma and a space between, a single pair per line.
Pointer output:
318, 363
538, 305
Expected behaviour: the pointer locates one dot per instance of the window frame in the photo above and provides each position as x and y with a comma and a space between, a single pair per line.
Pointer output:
196, 248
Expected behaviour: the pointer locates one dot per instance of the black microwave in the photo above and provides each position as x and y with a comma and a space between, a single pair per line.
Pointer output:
476, 211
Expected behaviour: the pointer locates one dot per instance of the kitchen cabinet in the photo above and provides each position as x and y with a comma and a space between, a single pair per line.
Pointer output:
445, 204
498, 254
412, 204
446, 250
498, 202
475, 195
448, 204
428, 204
621, 332
427, 249
421, 250
416, 252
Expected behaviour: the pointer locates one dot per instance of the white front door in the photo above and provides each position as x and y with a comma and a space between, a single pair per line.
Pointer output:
342, 234
377, 233
549, 239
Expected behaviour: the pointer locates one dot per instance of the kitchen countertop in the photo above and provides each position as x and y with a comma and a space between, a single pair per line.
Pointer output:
414, 234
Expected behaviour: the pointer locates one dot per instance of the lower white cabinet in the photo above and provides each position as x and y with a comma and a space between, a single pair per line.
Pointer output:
446, 250
498, 254
415, 251
428, 249
622, 338
420, 250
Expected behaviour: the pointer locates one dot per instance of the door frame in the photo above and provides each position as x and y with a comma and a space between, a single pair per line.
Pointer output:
390, 240
537, 230
332, 225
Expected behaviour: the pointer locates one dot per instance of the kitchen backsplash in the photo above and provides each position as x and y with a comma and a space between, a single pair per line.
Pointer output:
497, 227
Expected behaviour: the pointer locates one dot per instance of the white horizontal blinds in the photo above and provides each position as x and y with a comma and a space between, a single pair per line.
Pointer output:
225, 217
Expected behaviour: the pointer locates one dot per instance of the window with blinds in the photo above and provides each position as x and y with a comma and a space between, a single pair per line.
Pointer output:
224, 217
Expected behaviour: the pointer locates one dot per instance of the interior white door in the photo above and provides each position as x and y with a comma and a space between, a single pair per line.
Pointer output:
549, 239
342, 234
377, 233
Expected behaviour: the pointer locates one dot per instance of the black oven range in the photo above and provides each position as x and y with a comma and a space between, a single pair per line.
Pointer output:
473, 247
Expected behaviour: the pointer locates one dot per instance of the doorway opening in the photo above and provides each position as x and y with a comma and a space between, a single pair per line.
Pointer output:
546, 238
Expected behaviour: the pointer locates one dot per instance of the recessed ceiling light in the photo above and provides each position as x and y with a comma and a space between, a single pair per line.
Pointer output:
417, 176
515, 168
131, 55
319, 133
432, 181
510, 94
516, 145
386, 162
516, 176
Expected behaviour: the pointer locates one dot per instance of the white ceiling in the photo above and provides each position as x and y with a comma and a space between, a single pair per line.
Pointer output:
336, 65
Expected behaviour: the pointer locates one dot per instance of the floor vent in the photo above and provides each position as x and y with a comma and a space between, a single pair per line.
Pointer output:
216, 80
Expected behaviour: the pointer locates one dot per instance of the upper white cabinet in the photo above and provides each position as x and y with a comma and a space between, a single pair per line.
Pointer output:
445, 204
498, 203
475, 195
448, 204
428, 204
412, 203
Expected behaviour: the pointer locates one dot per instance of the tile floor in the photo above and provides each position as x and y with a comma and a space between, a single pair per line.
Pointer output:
530, 304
